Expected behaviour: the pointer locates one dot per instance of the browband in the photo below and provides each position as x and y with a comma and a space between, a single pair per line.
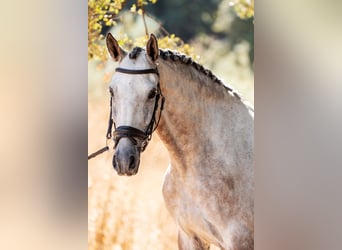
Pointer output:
137, 71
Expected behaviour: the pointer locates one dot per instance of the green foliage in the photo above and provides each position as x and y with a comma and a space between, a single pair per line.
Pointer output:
141, 5
229, 24
225, 20
230, 21
186, 18
243, 8
100, 13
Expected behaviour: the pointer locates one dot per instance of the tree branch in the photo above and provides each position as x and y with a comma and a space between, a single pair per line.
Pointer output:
145, 24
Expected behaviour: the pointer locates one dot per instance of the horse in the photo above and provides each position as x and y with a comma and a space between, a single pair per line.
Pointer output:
208, 130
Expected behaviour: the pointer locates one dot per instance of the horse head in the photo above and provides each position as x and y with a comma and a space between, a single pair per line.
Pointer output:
135, 98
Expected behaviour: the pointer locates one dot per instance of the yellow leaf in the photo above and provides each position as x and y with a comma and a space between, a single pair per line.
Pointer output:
133, 8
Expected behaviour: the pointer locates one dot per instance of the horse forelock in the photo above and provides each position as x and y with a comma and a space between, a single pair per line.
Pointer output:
135, 52
136, 59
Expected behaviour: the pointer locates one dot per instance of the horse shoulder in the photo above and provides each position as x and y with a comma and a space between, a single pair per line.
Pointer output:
169, 191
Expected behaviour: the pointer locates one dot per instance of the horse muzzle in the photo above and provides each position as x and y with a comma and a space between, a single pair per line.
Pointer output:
126, 159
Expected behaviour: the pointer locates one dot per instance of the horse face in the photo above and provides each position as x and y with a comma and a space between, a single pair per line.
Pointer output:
133, 100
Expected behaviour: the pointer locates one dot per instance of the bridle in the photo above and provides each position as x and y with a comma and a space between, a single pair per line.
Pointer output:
130, 132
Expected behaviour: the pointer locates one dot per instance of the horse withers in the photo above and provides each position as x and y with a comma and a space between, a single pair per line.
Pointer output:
207, 129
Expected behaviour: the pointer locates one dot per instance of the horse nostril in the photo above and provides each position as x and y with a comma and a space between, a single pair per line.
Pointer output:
131, 165
115, 162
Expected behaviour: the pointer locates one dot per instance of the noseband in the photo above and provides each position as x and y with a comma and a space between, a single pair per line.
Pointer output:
130, 132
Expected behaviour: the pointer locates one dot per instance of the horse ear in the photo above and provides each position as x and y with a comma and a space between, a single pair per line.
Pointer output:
114, 49
152, 48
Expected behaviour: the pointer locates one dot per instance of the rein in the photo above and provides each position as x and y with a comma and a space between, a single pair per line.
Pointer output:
130, 132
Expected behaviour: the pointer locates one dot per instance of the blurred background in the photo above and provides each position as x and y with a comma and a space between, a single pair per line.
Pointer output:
129, 212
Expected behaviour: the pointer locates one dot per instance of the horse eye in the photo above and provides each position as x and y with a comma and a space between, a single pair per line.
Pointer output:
152, 94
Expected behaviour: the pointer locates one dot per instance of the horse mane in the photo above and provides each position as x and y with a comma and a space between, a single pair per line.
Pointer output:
135, 52
175, 56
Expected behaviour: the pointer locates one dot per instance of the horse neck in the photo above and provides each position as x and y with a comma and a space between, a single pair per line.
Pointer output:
195, 112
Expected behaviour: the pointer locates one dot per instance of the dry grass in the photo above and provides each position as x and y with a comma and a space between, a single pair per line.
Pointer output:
126, 212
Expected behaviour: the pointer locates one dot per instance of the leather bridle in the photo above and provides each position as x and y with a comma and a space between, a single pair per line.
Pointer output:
132, 133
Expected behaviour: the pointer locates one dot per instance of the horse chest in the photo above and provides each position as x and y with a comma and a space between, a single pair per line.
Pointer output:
189, 207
